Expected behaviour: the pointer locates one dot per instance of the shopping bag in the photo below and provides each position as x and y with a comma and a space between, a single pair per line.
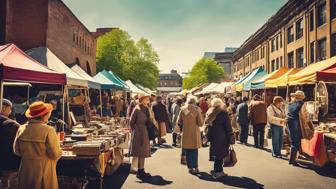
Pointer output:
265, 142
268, 132
231, 159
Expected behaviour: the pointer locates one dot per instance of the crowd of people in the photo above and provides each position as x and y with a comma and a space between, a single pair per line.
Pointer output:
225, 120
30, 151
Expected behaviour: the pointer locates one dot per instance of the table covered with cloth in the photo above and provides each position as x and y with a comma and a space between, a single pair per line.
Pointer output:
315, 148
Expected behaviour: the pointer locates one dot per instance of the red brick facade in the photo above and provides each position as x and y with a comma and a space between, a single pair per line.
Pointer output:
34, 23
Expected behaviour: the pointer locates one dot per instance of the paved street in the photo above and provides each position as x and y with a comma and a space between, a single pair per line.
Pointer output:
255, 169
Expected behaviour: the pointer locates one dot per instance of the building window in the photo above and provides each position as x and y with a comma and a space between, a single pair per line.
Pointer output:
312, 52
291, 60
321, 14
277, 63
311, 20
280, 61
333, 44
299, 58
277, 43
332, 9
74, 37
299, 29
321, 50
272, 65
280, 40
290, 34
273, 45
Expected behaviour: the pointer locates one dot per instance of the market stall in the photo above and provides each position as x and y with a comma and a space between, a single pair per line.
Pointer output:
206, 89
259, 86
93, 152
135, 90
318, 79
220, 88
245, 85
17, 66
75, 92
233, 88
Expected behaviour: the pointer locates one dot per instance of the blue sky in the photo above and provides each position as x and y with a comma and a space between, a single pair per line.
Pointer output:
179, 30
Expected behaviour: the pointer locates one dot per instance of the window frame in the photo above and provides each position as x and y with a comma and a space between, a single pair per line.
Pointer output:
298, 29
324, 18
290, 64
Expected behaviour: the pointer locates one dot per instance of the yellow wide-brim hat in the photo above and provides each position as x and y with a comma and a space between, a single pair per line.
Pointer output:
38, 109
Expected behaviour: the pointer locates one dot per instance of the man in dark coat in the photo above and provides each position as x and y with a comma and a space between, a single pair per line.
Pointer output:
162, 118
243, 121
258, 115
9, 162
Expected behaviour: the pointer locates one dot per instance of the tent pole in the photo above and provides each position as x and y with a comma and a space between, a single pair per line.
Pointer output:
101, 103
63, 103
287, 92
1, 93
315, 108
28, 93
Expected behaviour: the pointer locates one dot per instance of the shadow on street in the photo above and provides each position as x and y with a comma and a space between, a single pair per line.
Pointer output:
240, 182
156, 180
117, 180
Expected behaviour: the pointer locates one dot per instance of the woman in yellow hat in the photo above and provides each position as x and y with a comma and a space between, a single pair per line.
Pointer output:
38, 145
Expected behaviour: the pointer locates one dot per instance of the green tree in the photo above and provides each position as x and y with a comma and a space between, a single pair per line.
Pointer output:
118, 52
204, 71
115, 49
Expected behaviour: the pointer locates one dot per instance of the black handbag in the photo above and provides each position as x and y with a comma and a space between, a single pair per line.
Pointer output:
152, 130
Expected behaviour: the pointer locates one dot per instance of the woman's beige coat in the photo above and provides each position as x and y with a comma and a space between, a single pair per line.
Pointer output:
39, 147
192, 119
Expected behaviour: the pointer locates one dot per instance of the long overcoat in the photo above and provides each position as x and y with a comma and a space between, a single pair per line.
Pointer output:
192, 119
39, 148
140, 146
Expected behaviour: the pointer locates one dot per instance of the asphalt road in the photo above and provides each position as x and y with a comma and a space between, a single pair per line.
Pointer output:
255, 169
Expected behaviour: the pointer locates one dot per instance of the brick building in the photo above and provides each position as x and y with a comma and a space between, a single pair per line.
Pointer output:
50, 23
101, 31
169, 82
299, 34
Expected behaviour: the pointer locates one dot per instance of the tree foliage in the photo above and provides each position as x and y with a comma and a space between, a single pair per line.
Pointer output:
137, 61
204, 71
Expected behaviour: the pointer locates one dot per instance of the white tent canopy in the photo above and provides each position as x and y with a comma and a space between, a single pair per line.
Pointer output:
134, 88
220, 88
207, 88
91, 81
44, 56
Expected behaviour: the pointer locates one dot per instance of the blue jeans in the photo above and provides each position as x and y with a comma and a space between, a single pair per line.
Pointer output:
277, 139
295, 133
192, 158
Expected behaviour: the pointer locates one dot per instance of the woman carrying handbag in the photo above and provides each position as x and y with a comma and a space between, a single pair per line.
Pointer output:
220, 136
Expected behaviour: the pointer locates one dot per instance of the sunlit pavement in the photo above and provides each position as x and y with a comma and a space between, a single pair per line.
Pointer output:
255, 169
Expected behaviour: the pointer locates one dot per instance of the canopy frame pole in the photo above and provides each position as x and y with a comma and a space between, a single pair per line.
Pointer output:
315, 97
287, 92
1, 93
63, 103
28, 94
265, 95
101, 103
68, 105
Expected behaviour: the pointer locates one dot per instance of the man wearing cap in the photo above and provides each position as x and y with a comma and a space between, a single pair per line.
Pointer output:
39, 147
293, 117
258, 116
9, 162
